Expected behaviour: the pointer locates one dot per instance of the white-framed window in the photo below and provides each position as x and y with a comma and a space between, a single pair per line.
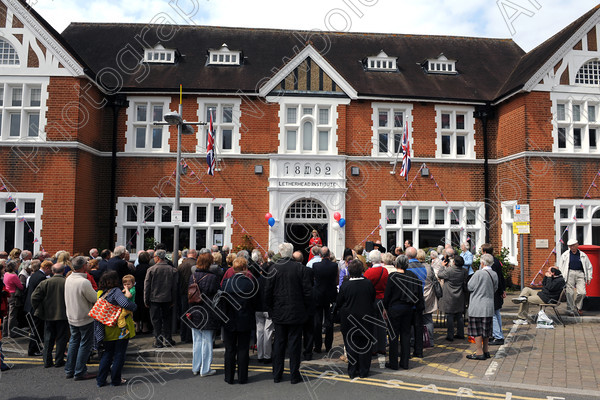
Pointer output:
23, 108
382, 62
576, 124
8, 54
455, 132
159, 55
389, 120
576, 219
441, 65
226, 124
141, 221
509, 239
224, 56
589, 74
308, 125
21, 221
142, 134
432, 223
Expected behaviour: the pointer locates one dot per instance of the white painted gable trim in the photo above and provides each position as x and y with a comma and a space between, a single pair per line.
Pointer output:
562, 52
40, 32
308, 51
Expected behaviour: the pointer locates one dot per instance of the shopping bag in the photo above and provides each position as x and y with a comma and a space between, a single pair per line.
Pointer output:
543, 321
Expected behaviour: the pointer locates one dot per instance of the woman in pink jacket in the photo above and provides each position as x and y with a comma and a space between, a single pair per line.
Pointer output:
12, 283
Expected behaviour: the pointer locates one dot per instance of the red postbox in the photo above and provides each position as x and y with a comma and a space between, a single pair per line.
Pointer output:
592, 300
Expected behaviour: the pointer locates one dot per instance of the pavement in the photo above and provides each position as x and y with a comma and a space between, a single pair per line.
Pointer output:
564, 360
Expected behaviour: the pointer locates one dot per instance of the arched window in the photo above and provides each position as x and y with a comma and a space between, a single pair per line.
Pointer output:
8, 54
589, 73
306, 209
307, 136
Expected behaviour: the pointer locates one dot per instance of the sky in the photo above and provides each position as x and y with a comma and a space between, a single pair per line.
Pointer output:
527, 22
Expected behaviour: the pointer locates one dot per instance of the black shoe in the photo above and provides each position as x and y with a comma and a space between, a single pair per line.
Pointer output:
496, 342
487, 354
388, 365
84, 377
476, 357
295, 381
450, 339
267, 361
307, 357
60, 363
459, 337
157, 345
276, 380
420, 355
260, 361
170, 342
318, 351
48, 365
34, 354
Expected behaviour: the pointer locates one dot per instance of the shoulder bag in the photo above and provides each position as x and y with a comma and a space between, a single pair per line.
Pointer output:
194, 293
104, 312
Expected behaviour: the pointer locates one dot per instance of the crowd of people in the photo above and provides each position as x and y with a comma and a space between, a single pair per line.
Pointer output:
385, 303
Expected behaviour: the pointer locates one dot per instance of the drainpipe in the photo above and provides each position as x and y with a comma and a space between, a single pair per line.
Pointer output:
116, 102
484, 114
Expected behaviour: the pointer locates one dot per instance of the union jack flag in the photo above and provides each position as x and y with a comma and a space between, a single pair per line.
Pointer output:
405, 154
210, 152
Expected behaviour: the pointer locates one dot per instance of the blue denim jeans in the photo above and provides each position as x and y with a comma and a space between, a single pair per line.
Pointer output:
112, 361
80, 346
202, 350
497, 325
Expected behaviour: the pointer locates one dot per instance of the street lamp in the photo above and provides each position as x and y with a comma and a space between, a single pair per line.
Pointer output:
185, 128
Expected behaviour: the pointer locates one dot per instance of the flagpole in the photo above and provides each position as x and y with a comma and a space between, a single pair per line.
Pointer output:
177, 181
393, 171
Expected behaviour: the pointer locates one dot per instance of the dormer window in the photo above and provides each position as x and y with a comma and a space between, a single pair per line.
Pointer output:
224, 56
440, 65
381, 62
159, 55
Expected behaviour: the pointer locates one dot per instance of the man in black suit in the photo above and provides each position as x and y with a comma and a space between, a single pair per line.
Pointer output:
103, 263
288, 295
326, 280
117, 263
36, 335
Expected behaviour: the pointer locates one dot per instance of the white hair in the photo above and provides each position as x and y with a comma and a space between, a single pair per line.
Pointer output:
119, 250
487, 260
256, 256
286, 250
375, 256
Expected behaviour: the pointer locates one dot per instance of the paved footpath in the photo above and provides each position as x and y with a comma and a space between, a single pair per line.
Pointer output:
563, 360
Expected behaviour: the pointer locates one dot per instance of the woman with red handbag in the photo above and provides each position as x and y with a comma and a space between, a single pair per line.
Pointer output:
113, 357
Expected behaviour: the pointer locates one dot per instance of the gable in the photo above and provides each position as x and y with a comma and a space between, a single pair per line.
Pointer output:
37, 49
307, 73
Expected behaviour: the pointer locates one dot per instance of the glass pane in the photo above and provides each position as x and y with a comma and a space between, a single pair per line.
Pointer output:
156, 138
596, 235
397, 142
383, 142
9, 206
218, 237
291, 115
439, 216
455, 217
211, 111
17, 97
460, 145
323, 116
391, 239
560, 112
9, 234
157, 113
408, 235
398, 119
383, 119
29, 207
470, 217
227, 139
1, 96
131, 212
592, 113
577, 137
148, 214
166, 213
460, 121
35, 97
323, 140
141, 113
407, 216
234, 58
15, 124
166, 236
185, 213
592, 133
140, 138
307, 136
184, 238
423, 216
431, 238
445, 144
291, 140
200, 239
391, 217
562, 138
131, 237
576, 112
445, 121
29, 237
580, 234
307, 111
34, 122
579, 213
472, 239
227, 114
218, 213
201, 214
564, 213
227, 57
565, 237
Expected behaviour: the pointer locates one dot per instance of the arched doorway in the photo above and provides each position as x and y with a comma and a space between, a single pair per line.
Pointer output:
301, 218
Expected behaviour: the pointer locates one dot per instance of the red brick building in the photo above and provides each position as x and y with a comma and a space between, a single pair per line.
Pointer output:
307, 124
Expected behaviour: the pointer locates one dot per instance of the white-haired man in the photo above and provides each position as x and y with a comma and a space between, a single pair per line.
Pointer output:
288, 296
118, 263
577, 269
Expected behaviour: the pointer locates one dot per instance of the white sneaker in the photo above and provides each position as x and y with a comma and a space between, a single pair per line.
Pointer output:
519, 300
520, 322
210, 372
